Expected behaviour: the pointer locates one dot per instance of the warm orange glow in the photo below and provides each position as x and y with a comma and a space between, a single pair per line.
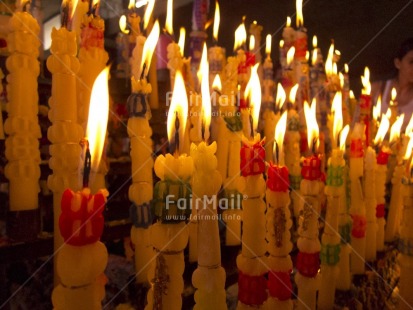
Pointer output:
312, 125
341, 77
288, 22
343, 137
388, 113
281, 96
181, 41
351, 95
253, 92
252, 43
336, 109
307, 56
217, 19
409, 128
396, 128
393, 95
240, 36
148, 13
131, 4
216, 84
98, 117
377, 109
382, 131
299, 16
329, 60
206, 97
290, 55
72, 6
268, 40
293, 94
149, 48
335, 68
123, 24
365, 80
346, 68
409, 150
178, 107
314, 57
169, 14
95, 2
279, 137
281, 43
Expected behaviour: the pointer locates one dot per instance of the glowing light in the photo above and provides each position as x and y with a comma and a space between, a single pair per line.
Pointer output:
336, 109
382, 131
240, 36
149, 48
98, 117
169, 14
252, 43
290, 55
268, 44
365, 80
131, 4
181, 41
253, 92
409, 128
281, 43
299, 16
206, 97
288, 22
148, 13
279, 137
216, 84
343, 137
377, 109
123, 24
281, 96
315, 42
396, 128
293, 94
217, 20
312, 125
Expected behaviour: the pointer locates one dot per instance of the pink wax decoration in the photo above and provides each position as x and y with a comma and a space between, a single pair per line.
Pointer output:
252, 159
279, 285
311, 169
251, 289
81, 221
278, 180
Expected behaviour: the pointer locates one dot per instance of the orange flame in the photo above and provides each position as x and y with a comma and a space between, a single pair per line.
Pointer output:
365, 80
181, 41
169, 14
240, 36
206, 97
217, 19
216, 84
343, 137
123, 24
268, 44
382, 131
148, 13
312, 125
396, 128
336, 109
281, 96
149, 48
253, 92
279, 137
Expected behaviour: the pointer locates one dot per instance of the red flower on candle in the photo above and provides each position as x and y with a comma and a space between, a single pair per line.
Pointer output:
81, 221
382, 158
278, 180
250, 59
252, 290
311, 169
279, 285
359, 226
252, 159
380, 211
356, 148
308, 264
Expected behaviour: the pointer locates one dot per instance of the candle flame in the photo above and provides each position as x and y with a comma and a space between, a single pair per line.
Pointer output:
409, 128
341, 77
388, 113
312, 125
290, 55
346, 68
315, 42
280, 132
206, 97
131, 4
288, 22
336, 108
377, 109
148, 13
98, 117
409, 150
253, 92
281, 43
168, 23
72, 6
268, 44
123, 24
281, 96
351, 95
329, 60
365, 80
307, 55
217, 19
393, 95
216, 84
299, 16
252, 43
240, 36
396, 128
382, 131
335, 68
149, 48
293, 93
181, 41
314, 57
343, 137
178, 107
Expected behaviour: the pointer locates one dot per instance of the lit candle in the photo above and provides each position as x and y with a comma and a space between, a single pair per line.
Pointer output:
139, 132
171, 205
396, 203
82, 259
209, 277
365, 104
268, 84
370, 168
65, 132
308, 259
330, 240
252, 262
278, 226
381, 170
21, 126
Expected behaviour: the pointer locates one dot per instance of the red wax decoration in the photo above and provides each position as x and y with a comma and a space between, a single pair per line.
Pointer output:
92, 36
252, 159
380, 211
278, 180
308, 264
279, 285
252, 290
300, 45
382, 158
242, 67
359, 226
250, 59
243, 104
365, 105
356, 148
303, 142
311, 169
81, 221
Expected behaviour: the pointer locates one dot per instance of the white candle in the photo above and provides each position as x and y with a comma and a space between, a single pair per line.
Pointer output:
371, 203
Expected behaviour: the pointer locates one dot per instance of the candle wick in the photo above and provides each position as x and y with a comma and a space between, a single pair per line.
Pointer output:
277, 152
88, 163
176, 131
143, 71
314, 145
65, 15
24, 5
251, 126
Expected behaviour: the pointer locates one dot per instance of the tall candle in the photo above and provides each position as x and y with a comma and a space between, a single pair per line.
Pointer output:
139, 132
370, 169
21, 126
